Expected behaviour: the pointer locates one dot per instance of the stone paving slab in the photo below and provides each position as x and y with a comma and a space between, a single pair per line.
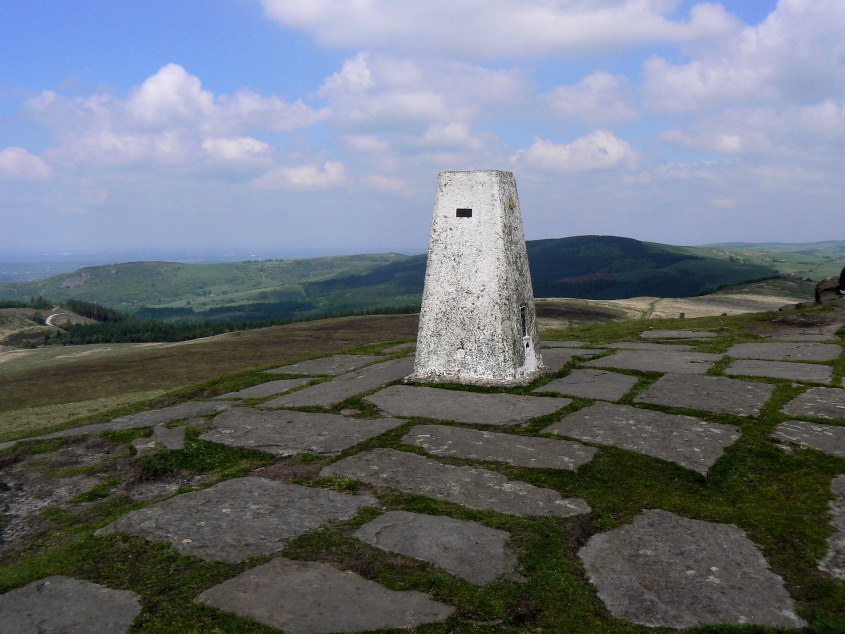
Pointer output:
562, 344
464, 407
646, 345
470, 486
826, 438
712, 393
335, 364
269, 388
521, 451
170, 437
340, 388
677, 334
67, 605
555, 358
792, 370
302, 597
287, 432
466, 549
658, 361
663, 570
834, 561
685, 440
824, 402
238, 518
600, 384
778, 351
802, 336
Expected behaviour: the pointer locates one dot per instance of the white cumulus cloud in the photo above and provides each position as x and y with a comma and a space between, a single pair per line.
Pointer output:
16, 163
496, 28
599, 98
599, 150
236, 149
306, 177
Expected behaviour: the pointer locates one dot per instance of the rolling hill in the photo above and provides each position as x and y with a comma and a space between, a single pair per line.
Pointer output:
597, 267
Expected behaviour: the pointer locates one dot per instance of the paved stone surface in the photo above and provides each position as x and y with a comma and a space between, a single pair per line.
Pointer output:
663, 570
268, 388
469, 550
561, 344
713, 393
303, 597
238, 518
834, 561
658, 361
827, 438
340, 388
601, 384
776, 351
801, 336
688, 441
286, 432
67, 605
555, 358
143, 446
677, 334
135, 421
646, 345
781, 370
464, 407
472, 487
521, 451
824, 402
336, 364
165, 415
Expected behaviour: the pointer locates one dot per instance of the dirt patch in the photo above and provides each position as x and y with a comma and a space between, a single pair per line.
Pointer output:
289, 469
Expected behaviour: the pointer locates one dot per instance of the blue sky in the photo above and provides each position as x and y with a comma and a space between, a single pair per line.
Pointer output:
289, 127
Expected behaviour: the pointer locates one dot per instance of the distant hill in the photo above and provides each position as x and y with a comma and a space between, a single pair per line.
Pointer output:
595, 267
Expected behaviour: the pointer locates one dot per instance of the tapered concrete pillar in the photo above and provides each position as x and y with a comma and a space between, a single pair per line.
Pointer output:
477, 323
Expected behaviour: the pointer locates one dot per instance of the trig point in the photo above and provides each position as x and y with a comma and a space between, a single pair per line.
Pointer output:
477, 323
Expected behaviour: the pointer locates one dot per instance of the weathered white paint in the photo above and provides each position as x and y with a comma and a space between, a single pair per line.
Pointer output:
477, 287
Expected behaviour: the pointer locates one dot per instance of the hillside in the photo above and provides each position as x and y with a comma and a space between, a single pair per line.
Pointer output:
595, 267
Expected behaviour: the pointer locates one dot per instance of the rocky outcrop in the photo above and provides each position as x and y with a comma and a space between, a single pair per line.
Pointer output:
827, 292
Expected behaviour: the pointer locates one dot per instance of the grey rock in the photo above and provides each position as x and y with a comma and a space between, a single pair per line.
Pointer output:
713, 393
268, 388
468, 550
677, 334
170, 437
688, 441
826, 438
286, 432
336, 364
646, 345
561, 344
521, 451
824, 402
340, 388
143, 446
834, 561
555, 358
781, 370
472, 487
302, 597
67, 605
801, 336
464, 407
663, 570
776, 351
658, 361
238, 518
600, 384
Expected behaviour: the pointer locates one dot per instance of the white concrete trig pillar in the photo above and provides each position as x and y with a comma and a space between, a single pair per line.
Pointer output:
477, 322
